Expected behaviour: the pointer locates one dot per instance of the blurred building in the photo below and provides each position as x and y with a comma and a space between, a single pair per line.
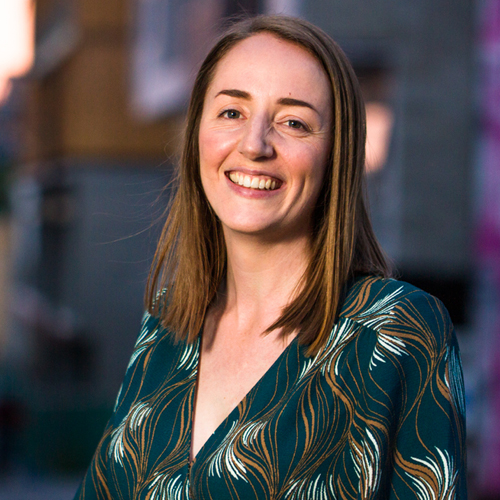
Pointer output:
87, 191
103, 113
486, 324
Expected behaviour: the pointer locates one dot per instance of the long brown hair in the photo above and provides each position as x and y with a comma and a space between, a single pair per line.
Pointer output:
190, 260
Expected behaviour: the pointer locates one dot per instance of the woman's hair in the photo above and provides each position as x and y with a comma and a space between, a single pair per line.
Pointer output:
190, 261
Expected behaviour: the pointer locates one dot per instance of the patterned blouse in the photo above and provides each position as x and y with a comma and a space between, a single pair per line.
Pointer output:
378, 413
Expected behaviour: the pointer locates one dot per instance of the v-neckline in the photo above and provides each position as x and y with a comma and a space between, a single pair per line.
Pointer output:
192, 460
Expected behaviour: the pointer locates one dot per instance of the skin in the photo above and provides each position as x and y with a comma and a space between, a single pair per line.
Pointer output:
266, 117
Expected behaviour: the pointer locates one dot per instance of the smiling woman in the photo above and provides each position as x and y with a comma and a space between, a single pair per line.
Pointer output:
277, 359
275, 130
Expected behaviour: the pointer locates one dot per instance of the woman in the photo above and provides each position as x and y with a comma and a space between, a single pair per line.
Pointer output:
277, 360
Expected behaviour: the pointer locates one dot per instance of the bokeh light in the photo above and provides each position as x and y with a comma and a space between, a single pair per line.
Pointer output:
16, 41
379, 122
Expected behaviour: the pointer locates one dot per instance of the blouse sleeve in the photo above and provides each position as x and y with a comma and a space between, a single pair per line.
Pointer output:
421, 373
102, 477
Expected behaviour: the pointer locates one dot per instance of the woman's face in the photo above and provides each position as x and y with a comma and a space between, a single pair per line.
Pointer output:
265, 137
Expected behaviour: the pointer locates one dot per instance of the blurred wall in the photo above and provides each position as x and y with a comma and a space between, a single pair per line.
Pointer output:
79, 101
87, 197
428, 48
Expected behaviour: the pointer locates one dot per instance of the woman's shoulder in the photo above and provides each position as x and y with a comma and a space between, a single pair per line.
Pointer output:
390, 305
152, 330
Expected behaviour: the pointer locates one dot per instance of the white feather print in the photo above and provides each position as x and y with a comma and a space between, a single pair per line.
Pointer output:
306, 367
189, 358
134, 419
445, 474
116, 449
118, 398
341, 333
164, 487
137, 414
146, 338
390, 343
380, 313
378, 316
366, 459
225, 457
311, 489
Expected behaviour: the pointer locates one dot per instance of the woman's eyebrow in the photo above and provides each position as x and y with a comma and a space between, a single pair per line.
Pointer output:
234, 93
284, 101
290, 101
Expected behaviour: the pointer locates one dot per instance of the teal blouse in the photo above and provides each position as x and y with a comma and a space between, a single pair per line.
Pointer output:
378, 413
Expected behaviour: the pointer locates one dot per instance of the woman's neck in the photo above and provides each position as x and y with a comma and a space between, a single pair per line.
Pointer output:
262, 277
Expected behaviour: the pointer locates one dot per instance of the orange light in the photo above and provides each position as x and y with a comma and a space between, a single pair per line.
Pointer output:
16, 41
379, 122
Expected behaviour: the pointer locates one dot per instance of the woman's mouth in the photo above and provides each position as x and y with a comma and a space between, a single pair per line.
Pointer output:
260, 182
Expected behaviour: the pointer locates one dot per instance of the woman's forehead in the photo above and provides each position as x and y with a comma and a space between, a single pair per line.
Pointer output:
267, 63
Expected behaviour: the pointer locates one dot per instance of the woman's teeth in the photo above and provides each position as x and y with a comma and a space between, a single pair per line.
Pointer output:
253, 182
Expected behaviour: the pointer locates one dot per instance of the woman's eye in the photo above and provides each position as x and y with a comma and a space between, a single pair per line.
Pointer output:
296, 124
231, 113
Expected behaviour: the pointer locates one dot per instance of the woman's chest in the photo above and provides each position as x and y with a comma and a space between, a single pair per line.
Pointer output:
227, 372
290, 429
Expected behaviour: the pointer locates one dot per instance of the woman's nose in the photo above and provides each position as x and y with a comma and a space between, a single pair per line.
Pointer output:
256, 140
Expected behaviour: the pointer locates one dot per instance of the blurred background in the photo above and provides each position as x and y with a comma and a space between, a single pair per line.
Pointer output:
92, 100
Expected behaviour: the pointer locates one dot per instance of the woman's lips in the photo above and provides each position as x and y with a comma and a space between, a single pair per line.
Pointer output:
260, 182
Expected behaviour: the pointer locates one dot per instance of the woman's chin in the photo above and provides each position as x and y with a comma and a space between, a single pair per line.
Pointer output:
266, 231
